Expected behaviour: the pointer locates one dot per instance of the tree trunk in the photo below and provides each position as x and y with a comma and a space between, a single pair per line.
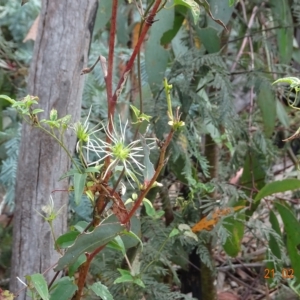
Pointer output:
60, 53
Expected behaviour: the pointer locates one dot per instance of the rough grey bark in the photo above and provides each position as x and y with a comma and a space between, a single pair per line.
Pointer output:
60, 53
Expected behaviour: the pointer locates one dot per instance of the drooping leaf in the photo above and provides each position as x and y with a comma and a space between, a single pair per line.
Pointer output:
236, 228
67, 239
149, 171
63, 289
280, 186
267, 104
192, 5
101, 290
74, 267
156, 57
88, 242
79, 184
132, 238
281, 10
40, 285
292, 229
274, 246
219, 11
209, 38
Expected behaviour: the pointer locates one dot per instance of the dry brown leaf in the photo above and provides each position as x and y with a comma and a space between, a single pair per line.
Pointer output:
208, 224
32, 33
228, 296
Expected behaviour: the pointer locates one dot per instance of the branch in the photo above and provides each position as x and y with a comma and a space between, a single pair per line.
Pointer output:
148, 22
160, 165
111, 53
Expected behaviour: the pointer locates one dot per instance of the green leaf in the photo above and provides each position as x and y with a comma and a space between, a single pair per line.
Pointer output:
88, 242
253, 171
117, 244
149, 171
40, 285
101, 290
81, 225
292, 229
139, 282
69, 173
150, 211
127, 277
12, 101
292, 81
132, 238
236, 228
219, 12
209, 38
92, 170
193, 6
156, 57
282, 115
267, 104
103, 14
79, 184
281, 10
74, 267
170, 34
63, 289
67, 239
273, 242
37, 110
174, 232
274, 247
280, 186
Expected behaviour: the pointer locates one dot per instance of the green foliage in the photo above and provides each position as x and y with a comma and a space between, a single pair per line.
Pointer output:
136, 258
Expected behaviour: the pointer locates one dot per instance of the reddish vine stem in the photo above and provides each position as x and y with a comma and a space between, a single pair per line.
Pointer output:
84, 270
147, 24
159, 167
112, 35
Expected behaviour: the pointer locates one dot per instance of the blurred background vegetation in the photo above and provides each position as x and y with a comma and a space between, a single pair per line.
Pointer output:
229, 151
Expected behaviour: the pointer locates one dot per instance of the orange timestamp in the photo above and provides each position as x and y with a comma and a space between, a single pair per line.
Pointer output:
285, 273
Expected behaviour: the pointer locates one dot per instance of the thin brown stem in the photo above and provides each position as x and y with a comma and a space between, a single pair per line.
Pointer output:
159, 167
112, 35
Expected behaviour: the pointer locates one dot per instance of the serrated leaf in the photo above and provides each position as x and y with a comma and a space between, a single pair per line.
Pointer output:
63, 289
101, 290
88, 242
40, 285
